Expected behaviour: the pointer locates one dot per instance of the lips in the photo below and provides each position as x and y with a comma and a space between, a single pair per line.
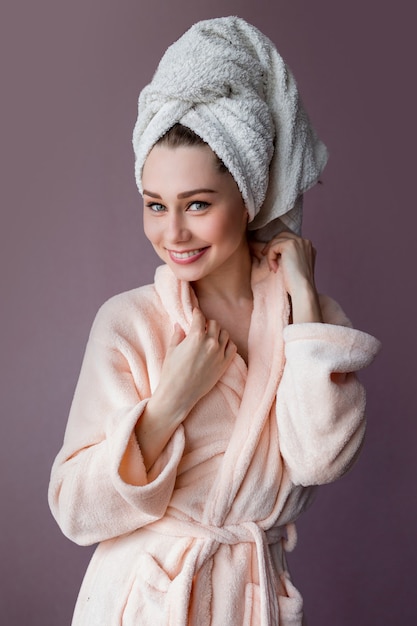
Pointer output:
187, 256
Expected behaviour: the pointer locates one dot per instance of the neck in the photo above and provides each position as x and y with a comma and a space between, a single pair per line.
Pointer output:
231, 284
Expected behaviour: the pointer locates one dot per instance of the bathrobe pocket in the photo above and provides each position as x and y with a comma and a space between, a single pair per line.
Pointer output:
290, 604
147, 601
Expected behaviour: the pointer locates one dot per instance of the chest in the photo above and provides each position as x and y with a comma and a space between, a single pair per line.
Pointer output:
236, 320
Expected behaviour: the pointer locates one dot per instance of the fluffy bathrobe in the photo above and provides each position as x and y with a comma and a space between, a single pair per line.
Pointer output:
200, 538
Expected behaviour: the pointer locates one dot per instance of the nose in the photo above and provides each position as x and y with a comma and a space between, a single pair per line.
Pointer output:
177, 229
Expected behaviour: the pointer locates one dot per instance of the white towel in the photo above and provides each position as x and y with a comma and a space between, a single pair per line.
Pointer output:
225, 80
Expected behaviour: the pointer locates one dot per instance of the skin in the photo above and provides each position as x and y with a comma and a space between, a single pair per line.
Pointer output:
195, 218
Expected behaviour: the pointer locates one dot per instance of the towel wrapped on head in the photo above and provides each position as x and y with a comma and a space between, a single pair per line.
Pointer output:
225, 81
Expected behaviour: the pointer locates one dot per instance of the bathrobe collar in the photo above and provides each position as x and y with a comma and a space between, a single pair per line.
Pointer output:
265, 365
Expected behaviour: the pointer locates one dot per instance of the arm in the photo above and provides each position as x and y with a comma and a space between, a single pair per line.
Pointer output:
192, 366
100, 487
296, 258
320, 402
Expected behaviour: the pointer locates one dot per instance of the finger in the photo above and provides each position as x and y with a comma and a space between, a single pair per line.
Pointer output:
281, 238
213, 329
267, 247
223, 338
273, 255
198, 322
230, 349
177, 336
256, 248
273, 263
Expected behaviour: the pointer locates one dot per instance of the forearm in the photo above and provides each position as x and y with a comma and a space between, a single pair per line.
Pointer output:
157, 424
92, 495
305, 304
192, 366
320, 402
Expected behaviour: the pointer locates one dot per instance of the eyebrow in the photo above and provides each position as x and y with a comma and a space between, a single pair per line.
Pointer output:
180, 196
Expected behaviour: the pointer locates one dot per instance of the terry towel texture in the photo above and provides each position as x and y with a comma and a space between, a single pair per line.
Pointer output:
200, 540
225, 80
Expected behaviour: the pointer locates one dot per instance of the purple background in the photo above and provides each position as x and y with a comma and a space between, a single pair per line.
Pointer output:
71, 237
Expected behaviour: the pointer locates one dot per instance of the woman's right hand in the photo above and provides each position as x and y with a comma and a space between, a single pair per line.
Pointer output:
193, 364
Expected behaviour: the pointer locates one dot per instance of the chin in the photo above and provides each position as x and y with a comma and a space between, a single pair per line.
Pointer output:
186, 273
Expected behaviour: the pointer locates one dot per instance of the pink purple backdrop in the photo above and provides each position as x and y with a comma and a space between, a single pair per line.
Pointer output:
71, 237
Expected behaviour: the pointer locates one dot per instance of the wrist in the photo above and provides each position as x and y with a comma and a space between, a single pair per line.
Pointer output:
155, 428
305, 304
169, 407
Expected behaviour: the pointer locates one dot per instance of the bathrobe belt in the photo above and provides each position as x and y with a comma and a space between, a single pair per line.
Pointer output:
208, 540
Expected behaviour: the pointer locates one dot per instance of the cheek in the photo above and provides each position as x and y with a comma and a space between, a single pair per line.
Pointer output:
150, 229
234, 225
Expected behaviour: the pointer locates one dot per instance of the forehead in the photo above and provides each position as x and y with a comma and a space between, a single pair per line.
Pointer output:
171, 171
190, 161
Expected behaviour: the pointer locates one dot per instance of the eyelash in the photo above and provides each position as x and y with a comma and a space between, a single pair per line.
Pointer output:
152, 206
161, 208
203, 205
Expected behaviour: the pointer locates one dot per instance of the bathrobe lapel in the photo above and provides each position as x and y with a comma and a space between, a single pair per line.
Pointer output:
265, 365
179, 299
266, 361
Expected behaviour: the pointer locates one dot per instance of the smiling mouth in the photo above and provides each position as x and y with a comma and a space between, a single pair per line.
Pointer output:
185, 255
188, 256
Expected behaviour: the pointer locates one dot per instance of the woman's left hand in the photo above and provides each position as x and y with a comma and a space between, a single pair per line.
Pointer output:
296, 259
294, 255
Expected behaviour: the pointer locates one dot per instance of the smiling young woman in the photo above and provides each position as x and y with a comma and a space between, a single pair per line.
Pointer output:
212, 402
196, 220
194, 215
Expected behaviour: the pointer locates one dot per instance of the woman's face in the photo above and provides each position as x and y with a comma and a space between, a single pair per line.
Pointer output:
194, 214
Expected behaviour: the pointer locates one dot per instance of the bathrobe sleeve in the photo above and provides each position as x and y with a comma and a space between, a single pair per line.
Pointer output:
99, 486
320, 402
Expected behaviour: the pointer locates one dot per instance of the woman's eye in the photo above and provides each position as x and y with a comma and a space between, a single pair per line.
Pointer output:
156, 207
198, 206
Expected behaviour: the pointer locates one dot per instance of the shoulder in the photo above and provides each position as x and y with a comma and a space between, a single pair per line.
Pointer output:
127, 312
128, 302
144, 316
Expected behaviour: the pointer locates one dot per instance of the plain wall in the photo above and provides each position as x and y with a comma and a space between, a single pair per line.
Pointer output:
71, 237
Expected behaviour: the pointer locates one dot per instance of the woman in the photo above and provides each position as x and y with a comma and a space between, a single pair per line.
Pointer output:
212, 402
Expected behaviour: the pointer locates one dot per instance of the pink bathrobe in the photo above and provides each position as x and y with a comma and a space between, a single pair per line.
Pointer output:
200, 539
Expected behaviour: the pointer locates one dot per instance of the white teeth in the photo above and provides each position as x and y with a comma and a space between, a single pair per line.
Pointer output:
185, 255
